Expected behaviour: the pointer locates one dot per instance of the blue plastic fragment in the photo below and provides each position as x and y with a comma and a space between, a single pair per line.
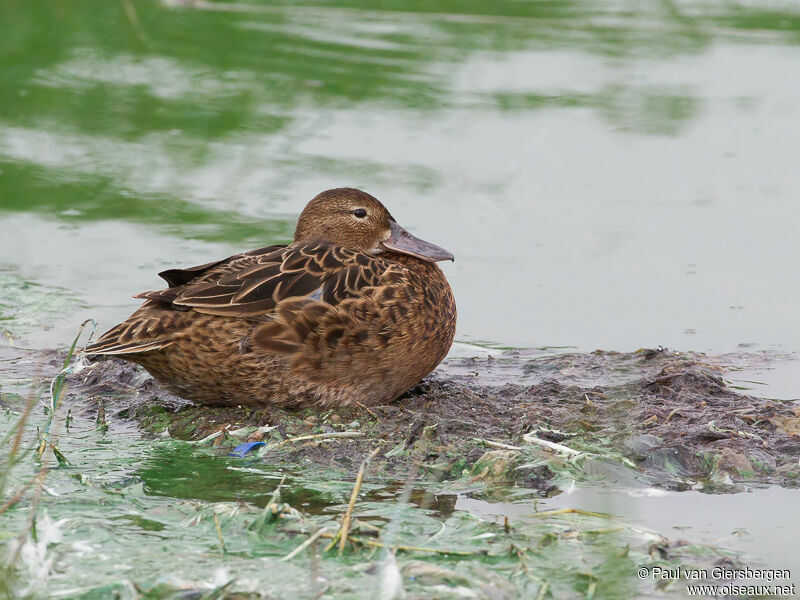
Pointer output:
243, 449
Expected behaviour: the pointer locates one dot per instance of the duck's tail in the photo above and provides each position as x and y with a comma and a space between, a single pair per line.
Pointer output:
146, 330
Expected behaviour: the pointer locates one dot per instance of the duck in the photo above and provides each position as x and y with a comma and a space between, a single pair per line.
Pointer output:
355, 311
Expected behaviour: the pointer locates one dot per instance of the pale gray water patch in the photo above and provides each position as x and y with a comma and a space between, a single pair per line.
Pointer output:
61, 255
224, 173
29, 310
343, 32
567, 252
163, 77
760, 525
767, 374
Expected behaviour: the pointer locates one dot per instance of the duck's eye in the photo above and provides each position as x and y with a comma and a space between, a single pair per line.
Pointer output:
360, 213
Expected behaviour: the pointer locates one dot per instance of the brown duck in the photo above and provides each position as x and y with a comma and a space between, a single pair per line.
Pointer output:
355, 310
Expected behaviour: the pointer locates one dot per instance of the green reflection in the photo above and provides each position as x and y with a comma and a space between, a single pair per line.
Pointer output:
29, 188
180, 471
134, 110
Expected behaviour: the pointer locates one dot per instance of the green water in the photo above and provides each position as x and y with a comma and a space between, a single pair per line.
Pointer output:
607, 174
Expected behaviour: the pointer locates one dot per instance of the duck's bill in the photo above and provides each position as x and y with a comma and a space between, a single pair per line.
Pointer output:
402, 241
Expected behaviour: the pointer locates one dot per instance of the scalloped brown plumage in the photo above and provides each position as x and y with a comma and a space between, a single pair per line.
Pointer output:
354, 311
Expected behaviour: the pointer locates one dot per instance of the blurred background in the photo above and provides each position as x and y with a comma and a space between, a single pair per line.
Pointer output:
609, 174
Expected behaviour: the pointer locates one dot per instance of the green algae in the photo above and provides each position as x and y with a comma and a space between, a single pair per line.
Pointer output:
125, 516
151, 503
25, 306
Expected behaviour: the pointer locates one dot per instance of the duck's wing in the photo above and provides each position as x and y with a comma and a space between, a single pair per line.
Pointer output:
248, 285
255, 283
366, 316
181, 280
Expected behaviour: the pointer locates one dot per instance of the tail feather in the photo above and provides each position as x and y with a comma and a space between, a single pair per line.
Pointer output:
112, 348
143, 332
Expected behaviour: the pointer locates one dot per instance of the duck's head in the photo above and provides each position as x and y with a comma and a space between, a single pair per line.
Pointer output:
354, 219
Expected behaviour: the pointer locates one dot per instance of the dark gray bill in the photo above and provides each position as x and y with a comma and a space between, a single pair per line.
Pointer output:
402, 241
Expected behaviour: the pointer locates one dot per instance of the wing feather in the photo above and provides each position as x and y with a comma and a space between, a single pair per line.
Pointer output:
289, 287
256, 284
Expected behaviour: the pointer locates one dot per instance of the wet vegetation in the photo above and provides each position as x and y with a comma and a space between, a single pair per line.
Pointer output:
669, 417
341, 501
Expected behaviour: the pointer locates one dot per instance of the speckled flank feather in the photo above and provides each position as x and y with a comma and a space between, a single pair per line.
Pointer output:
310, 323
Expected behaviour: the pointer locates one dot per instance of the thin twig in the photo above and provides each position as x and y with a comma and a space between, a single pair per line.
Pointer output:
313, 538
650, 421
21, 428
259, 523
371, 414
57, 387
498, 444
316, 436
373, 543
333, 539
219, 533
213, 436
411, 548
543, 591
62, 460
136, 25
15, 444
712, 426
353, 497
530, 438
570, 511
598, 531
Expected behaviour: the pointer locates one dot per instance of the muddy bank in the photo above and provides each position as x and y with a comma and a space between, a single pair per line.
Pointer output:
663, 418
